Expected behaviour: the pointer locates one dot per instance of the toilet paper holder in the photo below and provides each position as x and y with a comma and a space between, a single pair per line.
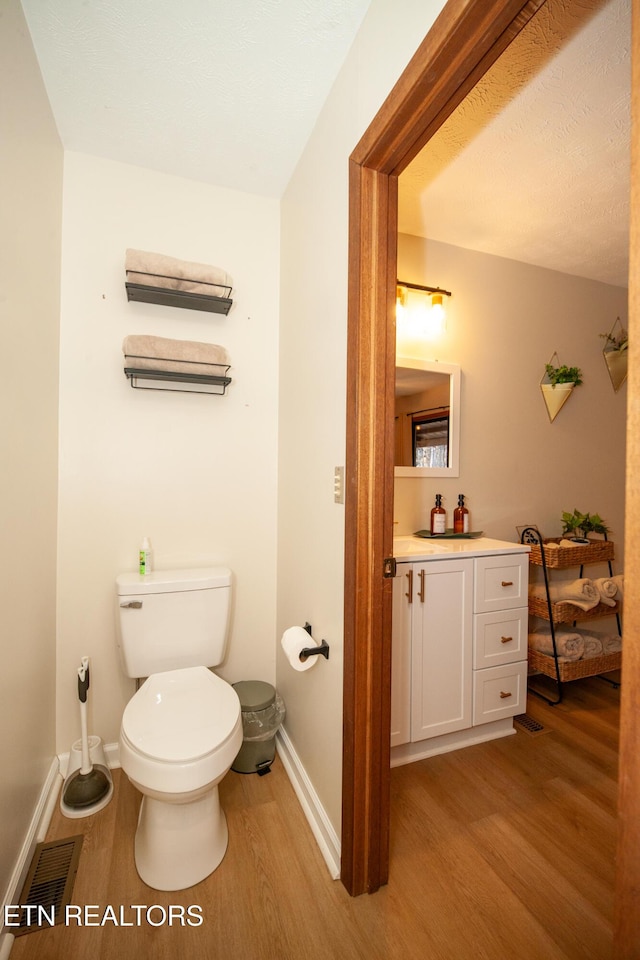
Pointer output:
322, 650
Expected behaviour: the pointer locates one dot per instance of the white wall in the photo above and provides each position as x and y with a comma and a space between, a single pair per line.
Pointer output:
196, 474
30, 199
313, 381
505, 320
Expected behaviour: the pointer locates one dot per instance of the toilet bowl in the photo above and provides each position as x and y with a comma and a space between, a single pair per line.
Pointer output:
182, 730
180, 734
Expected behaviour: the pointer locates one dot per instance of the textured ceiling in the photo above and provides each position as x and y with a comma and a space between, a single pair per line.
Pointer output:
534, 165
222, 91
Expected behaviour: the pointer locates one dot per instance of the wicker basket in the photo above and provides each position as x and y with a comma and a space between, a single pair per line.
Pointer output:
564, 612
562, 557
574, 669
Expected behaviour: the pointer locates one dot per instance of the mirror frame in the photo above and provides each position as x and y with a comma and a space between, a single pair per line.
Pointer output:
455, 377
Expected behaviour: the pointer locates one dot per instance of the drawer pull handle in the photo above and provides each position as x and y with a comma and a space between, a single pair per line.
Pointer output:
506, 639
504, 696
507, 583
409, 593
421, 574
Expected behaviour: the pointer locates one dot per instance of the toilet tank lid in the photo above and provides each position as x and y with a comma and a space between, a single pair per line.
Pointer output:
172, 581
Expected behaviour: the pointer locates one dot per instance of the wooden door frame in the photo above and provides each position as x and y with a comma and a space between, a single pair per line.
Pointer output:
466, 39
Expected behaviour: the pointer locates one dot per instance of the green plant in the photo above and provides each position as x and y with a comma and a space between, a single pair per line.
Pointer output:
611, 342
563, 374
583, 523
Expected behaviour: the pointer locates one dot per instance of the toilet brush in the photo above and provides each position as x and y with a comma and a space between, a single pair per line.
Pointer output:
89, 785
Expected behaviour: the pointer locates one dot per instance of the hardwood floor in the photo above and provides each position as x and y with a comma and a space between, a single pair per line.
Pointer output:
502, 850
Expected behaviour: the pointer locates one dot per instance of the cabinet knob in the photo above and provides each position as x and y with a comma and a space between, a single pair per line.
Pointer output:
504, 695
507, 583
506, 639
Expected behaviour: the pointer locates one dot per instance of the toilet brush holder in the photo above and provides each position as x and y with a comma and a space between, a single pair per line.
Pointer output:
96, 755
98, 762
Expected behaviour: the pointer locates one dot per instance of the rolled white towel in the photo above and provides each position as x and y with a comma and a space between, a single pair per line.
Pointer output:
611, 644
180, 356
159, 270
569, 644
618, 579
581, 593
592, 644
607, 590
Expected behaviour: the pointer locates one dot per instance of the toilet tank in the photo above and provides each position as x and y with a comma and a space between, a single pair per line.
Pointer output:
171, 619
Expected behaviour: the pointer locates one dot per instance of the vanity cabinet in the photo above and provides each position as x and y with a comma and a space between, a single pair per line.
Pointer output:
459, 651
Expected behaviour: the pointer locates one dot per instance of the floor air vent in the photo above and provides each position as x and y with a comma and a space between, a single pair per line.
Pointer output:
529, 725
49, 884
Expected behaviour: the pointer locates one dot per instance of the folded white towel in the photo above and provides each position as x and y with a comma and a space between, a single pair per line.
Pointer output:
180, 356
569, 644
581, 593
159, 270
607, 589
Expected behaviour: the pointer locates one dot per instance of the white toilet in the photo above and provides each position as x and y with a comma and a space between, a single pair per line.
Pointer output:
182, 729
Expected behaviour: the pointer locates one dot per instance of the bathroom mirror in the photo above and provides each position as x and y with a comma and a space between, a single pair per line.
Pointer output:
427, 418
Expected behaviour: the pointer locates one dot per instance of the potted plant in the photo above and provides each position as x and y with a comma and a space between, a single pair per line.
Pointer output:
580, 525
563, 374
557, 385
616, 344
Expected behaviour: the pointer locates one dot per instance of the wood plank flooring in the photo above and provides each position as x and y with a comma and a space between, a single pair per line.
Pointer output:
502, 850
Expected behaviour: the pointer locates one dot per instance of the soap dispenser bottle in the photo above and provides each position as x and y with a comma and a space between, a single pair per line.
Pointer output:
145, 561
461, 516
438, 516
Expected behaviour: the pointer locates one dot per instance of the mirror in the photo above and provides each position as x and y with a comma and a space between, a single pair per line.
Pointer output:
427, 418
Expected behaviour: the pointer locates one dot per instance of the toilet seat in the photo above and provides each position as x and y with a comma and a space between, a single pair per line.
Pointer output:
181, 716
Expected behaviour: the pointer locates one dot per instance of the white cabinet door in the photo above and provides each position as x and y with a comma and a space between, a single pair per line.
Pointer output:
441, 675
401, 655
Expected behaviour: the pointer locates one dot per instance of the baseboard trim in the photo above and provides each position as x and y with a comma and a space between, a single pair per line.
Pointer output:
321, 827
423, 749
40, 820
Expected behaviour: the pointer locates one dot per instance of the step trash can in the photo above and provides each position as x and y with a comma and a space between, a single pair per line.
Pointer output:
263, 711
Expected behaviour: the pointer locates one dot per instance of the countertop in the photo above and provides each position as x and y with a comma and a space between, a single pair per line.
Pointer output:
421, 548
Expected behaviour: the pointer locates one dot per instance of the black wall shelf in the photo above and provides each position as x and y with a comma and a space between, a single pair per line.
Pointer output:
169, 380
165, 296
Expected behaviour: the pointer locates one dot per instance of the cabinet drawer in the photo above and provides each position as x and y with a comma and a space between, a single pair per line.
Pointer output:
499, 692
501, 582
500, 637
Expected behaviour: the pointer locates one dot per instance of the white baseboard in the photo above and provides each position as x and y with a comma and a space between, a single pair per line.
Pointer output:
36, 833
423, 749
326, 837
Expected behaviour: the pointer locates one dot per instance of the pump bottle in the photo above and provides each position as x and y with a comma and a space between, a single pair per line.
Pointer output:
438, 516
145, 560
461, 516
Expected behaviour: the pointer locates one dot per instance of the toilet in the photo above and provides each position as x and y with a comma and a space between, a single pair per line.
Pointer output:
182, 729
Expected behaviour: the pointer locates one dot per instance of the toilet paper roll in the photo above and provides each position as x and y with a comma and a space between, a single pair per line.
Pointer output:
293, 641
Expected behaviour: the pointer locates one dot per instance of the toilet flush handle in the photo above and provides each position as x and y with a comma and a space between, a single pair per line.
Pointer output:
132, 604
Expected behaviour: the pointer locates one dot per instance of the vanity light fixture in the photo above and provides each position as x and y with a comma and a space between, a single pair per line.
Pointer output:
432, 324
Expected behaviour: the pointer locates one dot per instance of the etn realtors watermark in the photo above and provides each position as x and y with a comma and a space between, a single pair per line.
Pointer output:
93, 915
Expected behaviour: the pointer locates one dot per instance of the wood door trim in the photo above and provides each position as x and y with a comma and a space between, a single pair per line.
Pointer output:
627, 895
465, 40
467, 37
